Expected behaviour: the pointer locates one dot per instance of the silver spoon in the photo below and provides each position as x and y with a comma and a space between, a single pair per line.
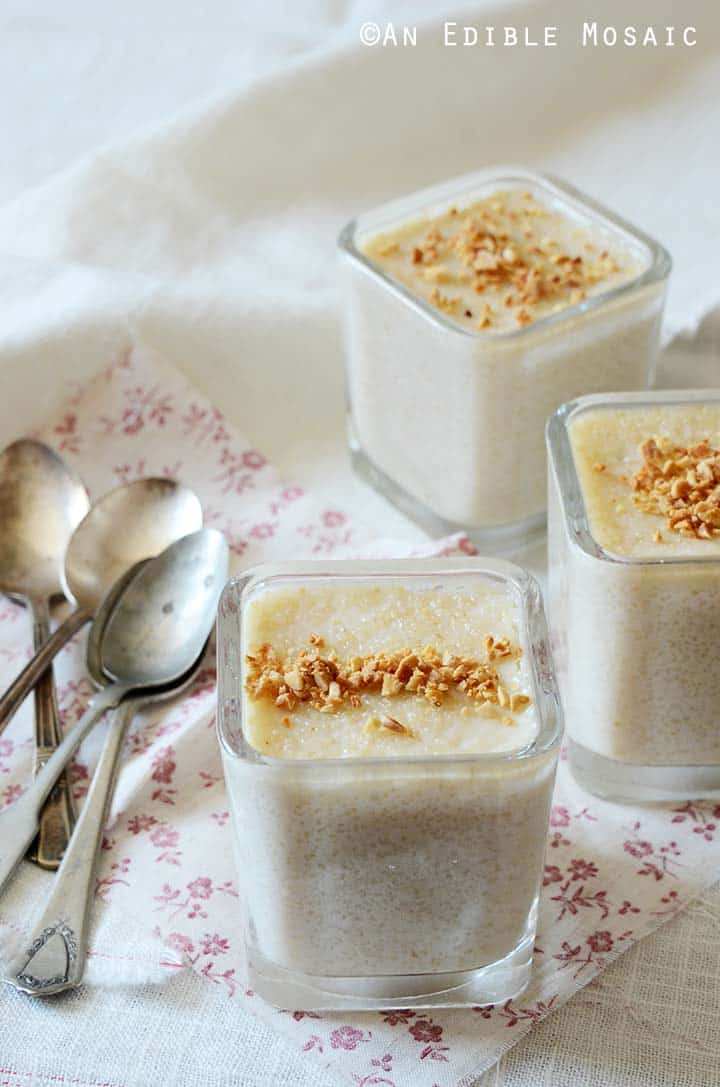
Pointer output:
132, 522
55, 956
41, 503
152, 639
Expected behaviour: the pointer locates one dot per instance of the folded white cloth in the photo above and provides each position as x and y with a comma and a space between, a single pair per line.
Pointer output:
216, 233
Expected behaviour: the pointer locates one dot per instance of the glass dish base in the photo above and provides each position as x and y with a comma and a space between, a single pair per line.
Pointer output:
631, 782
491, 984
490, 540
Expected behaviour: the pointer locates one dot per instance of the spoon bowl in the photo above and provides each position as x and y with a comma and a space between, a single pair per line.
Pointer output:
93, 648
162, 620
132, 522
42, 502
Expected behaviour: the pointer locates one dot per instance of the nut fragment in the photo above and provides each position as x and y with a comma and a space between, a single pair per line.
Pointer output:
681, 484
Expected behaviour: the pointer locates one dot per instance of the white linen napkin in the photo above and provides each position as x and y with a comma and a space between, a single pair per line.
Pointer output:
215, 233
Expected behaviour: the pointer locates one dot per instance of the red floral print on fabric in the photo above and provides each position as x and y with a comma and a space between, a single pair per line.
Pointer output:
609, 878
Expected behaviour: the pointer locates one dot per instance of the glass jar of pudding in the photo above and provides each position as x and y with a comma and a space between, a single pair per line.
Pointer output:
472, 311
634, 599
389, 735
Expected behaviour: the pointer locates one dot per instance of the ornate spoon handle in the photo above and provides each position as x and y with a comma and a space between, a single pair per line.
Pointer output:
55, 956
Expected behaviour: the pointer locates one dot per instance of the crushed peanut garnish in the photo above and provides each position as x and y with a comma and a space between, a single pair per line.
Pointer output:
681, 484
325, 683
500, 247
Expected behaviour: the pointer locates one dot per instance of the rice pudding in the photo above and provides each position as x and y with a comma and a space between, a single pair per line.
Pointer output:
503, 262
472, 311
391, 812
639, 601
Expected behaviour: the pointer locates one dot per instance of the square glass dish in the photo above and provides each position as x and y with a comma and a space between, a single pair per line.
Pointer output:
383, 862
456, 354
634, 603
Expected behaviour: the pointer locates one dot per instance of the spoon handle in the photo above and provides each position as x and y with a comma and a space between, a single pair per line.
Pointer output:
19, 824
58, 816
20, 688
55, 956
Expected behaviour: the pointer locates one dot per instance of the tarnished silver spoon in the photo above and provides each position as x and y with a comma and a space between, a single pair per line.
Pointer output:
133, 522
54, 959
153, 637
41, 503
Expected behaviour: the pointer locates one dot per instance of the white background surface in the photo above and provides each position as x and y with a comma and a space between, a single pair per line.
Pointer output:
75, 77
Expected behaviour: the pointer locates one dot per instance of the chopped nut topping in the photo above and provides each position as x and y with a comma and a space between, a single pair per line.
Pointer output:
598, 467
501, 247
681, 484
324, 683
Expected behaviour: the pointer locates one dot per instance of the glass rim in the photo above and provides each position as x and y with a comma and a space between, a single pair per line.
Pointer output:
658, 269
534, 636
562, 464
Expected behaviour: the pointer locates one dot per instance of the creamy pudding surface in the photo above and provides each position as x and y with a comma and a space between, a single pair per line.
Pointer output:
336, 671
650, 478
503, 262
